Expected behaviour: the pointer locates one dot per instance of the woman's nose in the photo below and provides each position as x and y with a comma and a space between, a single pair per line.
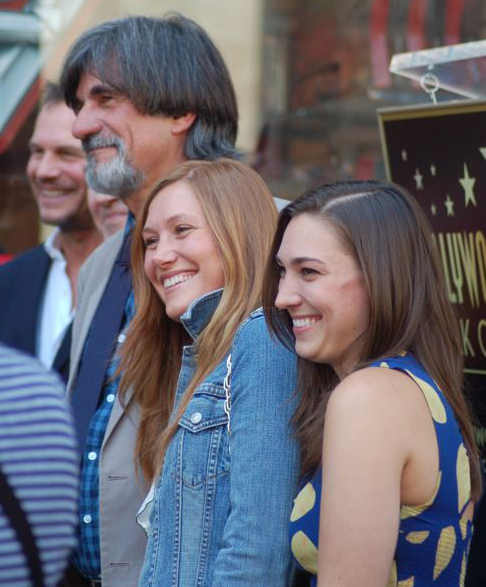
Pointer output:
164, 254
287, 295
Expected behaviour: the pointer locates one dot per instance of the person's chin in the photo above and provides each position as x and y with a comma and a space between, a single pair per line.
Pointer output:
306, 351
52, 219
102, 153
175, 309
174, 314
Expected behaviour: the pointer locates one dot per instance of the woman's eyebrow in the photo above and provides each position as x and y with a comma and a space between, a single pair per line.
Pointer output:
300, 260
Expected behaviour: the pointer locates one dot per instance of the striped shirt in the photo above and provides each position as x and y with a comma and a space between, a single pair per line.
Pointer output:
38, 457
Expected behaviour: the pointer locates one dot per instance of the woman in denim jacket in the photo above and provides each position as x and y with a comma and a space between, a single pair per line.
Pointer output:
216, 391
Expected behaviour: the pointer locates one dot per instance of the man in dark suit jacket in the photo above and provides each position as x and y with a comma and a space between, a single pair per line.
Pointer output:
19, 304
37, 288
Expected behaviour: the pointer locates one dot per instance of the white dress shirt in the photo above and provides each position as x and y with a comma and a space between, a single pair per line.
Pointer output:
57, 310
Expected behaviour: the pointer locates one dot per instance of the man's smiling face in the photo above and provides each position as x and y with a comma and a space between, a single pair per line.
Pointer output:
56, 169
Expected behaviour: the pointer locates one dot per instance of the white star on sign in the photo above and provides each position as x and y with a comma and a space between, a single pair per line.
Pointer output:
449, 204
418, 177
468, 184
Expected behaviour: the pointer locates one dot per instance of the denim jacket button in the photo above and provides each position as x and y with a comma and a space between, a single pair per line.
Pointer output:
196, 417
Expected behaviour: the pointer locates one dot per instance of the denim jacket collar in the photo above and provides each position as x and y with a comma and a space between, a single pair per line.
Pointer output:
199, 313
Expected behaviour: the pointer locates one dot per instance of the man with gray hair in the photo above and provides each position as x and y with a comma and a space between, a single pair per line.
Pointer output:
148, 93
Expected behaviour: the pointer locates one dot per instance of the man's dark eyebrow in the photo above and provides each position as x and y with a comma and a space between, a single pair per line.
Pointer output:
100, 89
69, 150
61, 148
97, 90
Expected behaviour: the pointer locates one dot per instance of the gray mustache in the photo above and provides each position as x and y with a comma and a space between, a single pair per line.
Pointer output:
99, 142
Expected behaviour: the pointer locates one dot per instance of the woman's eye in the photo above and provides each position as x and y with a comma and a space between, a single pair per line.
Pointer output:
281, 271
149, 242
306, 271
181, 229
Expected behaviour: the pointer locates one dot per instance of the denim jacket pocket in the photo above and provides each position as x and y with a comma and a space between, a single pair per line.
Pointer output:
203, 441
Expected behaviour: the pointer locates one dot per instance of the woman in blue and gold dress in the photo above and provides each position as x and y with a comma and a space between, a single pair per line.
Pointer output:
390, 464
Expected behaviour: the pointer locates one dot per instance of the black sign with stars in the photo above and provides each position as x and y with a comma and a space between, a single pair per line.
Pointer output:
438, 152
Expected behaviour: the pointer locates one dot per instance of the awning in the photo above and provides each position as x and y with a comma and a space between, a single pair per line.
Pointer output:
28, 30
19, 69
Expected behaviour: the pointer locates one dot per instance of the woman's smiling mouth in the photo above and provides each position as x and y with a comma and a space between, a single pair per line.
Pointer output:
175, 279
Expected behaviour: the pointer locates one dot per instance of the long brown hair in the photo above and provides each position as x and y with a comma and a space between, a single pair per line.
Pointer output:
241, 215
390, 237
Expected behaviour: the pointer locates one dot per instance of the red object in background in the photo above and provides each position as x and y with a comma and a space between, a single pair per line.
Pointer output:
453, 16
380, 57
14, 4
365, 167
5, 258
417, 17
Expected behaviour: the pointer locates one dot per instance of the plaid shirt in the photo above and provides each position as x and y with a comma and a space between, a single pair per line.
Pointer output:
87, 558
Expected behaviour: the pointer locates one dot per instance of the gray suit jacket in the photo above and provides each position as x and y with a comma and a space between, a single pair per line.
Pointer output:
122, 488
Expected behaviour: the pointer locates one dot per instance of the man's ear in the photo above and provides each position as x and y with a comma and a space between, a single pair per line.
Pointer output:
182, 123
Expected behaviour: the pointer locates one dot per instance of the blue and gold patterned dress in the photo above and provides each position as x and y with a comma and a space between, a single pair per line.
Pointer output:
433, 539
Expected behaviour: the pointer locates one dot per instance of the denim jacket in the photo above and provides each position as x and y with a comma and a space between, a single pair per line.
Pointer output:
222, 503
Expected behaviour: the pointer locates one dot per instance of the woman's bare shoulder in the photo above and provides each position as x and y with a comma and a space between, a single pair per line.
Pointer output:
371, 392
